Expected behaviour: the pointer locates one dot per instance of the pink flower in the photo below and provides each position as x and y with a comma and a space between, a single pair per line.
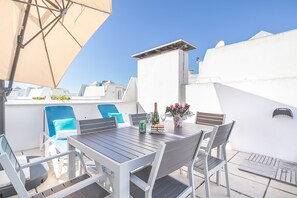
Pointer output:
172, 107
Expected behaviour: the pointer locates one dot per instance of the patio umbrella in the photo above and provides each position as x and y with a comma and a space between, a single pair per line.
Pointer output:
40, 38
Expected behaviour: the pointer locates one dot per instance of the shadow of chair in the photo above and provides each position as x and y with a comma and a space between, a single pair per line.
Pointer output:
84, 185
154, 181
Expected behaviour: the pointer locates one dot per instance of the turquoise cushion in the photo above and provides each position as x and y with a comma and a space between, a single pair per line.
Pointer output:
65, 124
118, 116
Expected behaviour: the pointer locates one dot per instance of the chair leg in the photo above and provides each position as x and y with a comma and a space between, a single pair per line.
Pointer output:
226, 170
41, 141
206, 178
227, 180
61, 163
219, 155
46, 148
207, 189
82, 164
191, 180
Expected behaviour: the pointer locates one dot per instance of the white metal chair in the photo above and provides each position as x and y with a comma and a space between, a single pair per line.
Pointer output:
48, 136
154, 181
207, 164
96, 126
83, 185
210, 119
136, 118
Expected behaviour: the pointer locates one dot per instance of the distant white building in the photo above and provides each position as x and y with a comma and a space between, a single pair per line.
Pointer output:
33, 92
105, 90
16, 93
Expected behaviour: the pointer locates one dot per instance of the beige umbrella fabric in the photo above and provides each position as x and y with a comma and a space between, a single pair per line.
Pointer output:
40, 38
55, 32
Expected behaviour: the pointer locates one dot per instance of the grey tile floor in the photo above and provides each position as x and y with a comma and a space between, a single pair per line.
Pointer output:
243, 184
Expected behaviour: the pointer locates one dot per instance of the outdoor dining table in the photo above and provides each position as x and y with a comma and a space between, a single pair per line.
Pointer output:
123, 150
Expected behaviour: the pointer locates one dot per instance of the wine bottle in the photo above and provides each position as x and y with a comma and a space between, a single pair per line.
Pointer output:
156, 115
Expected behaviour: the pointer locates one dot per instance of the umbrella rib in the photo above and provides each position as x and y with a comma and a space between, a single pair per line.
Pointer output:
69, 32
58, 4
63, 3
67, 3
89, 7
45, 46
57, 18
52, 9
52, 4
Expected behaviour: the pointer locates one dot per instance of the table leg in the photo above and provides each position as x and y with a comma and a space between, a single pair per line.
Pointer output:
121, 183
71, 162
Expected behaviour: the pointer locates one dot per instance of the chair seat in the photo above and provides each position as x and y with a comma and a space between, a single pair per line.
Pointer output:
164, 187
91, 191
212, 162
38, 174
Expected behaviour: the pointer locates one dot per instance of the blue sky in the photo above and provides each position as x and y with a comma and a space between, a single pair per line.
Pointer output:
136, 26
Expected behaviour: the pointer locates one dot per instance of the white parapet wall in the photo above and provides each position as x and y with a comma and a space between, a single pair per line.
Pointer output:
255, 129
24, 119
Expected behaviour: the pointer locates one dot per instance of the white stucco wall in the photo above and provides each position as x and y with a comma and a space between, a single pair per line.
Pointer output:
269, 57
162, 79
264, 66
24, 119
202, 97
255, 130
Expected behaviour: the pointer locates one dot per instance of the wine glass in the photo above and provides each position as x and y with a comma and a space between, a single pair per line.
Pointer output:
149, 117
163, 117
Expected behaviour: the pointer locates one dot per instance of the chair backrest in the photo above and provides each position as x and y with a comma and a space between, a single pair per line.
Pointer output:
210, 119
55, 113
104, 109
173, 155
136, 118
12, 168
96, 125
220, 136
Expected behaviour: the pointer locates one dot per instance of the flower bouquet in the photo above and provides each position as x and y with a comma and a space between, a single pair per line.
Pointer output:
179, 112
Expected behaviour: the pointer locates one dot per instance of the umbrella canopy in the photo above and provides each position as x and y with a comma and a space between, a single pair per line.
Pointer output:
40, 38
53, 31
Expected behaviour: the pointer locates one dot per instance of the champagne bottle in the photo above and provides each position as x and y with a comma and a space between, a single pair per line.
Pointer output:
156, 115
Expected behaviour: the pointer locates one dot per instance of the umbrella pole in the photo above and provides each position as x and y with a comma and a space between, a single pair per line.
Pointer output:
19, 45
2, 106
6, 91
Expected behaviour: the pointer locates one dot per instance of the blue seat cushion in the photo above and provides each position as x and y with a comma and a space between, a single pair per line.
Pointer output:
65, 124
118, 116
